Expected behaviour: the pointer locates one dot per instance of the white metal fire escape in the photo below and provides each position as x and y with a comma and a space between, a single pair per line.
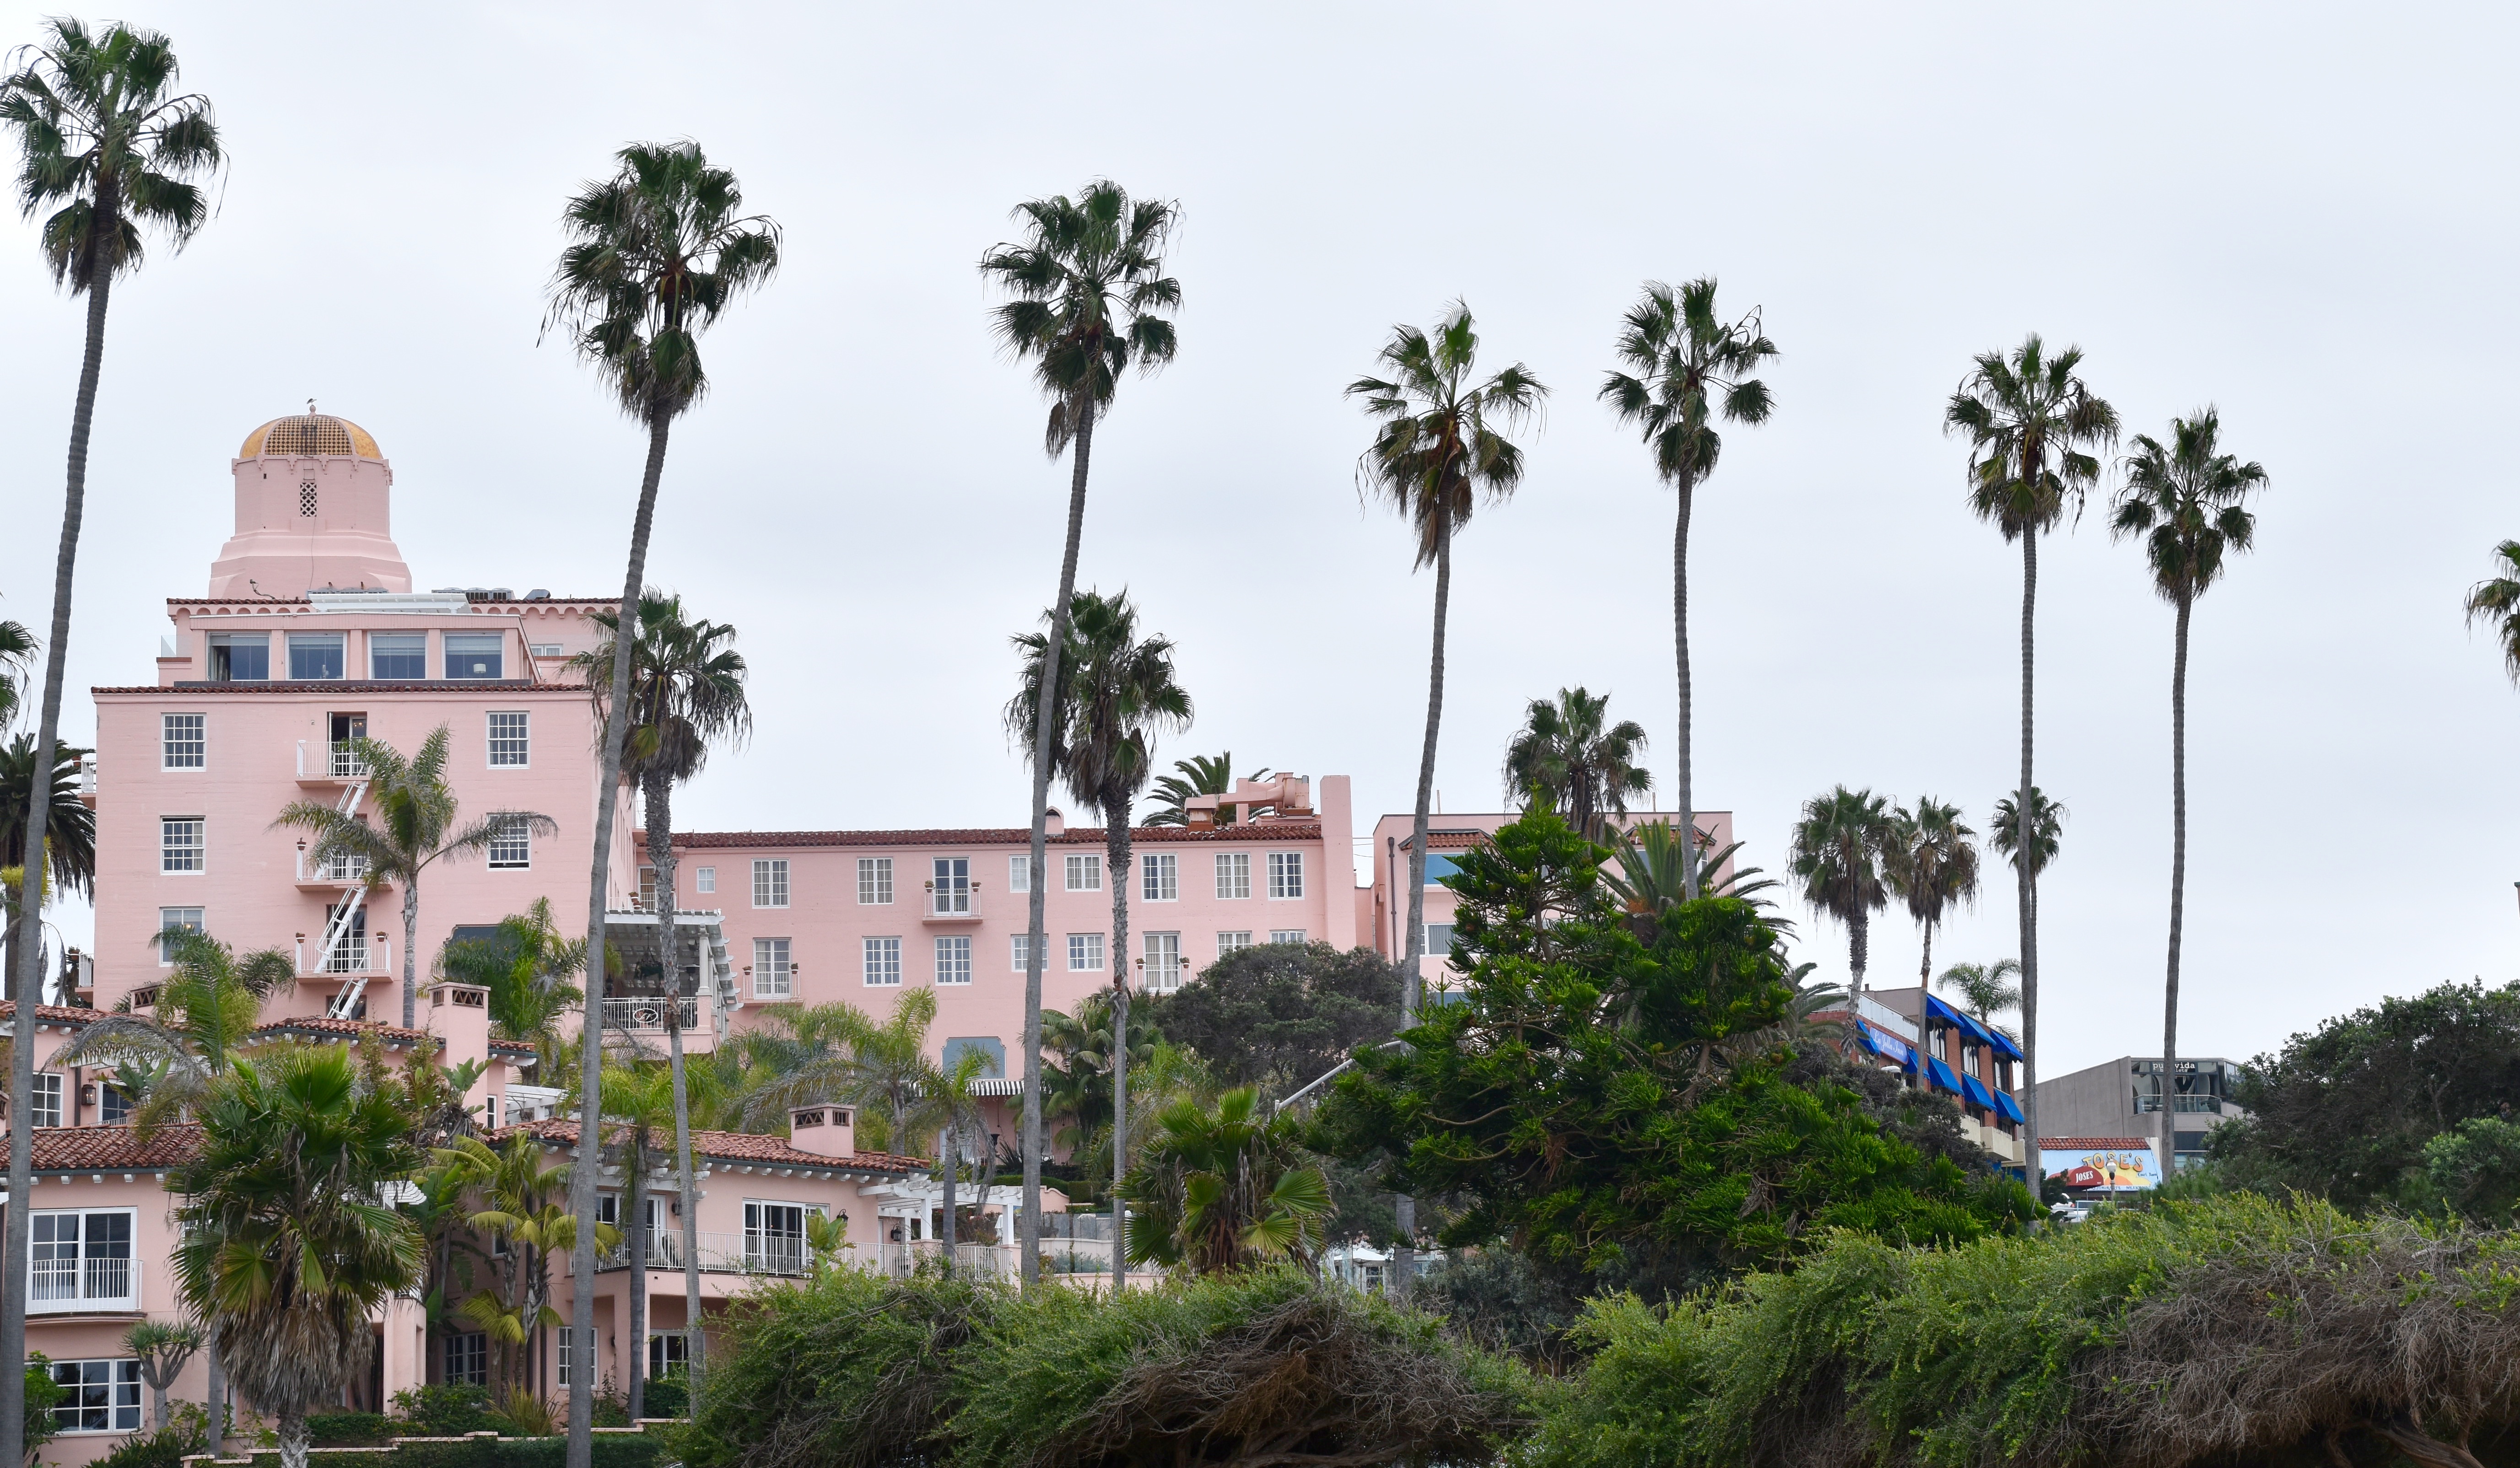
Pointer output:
340, 952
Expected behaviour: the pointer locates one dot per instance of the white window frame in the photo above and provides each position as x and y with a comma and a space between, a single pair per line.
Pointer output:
45, 1101
1085, 953
1163, 972
58, 1289
183, 741
874, 882
198, 828
1020, 947
1233, 940
448, 654
882, 962
759, 1252
1161, 878
1084, 871
513, 850
1285, 875
774, 968
704, 881
1286, 935
567, 1342
1233, 875
1019, 873
373, 637
120, 1381
168, 918
667, 1348
953, 960
949, 887
511, 747
770, 881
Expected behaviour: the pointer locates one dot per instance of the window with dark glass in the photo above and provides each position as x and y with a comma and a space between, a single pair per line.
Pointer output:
398, 654
475, 655
240, 656
314, 655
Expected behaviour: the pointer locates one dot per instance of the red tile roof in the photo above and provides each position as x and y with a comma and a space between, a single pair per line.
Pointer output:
113, 1149
740, 1146
2099, 1143
353, 1029
53, 1015
1447, 840
1011, 836
341, 686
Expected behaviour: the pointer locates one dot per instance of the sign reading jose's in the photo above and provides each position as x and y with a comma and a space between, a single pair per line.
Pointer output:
2113, 1164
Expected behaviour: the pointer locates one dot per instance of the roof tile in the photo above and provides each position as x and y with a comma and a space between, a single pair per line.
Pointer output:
1011, 836
738, 1146
80, 1149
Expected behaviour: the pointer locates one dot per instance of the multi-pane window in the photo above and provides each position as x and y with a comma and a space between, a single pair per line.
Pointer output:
1227, 943
1439, 939
1285, 874
1022, 952
398, 654
511, 743
546, 650
1163, 962
47, 1098
953, 960
570, 1354
513, 850
646, 901
113, 1104
1083, 952
102, 1396
1160, 880
875, 880
240, 656
1019, 873
668, 1355
182, 741
1285, 935
773, 1237
468, 1360
181, 840
883, 962
171, 918
949, 887
314, 655
476, 654
705, 880
1233, 874
770, 882
772, 974
80, 1257
1085, 874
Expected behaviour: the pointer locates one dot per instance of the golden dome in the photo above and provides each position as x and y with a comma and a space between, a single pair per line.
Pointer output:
311, 433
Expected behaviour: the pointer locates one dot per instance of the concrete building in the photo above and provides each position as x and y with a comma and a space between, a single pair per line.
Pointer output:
2122, 1098
1939, 1048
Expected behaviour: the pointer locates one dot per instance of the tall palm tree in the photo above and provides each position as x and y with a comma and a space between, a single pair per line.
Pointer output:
2496, 601
17, 648
1227, 1187
2033, 427
1933, 868
2047, 826
1986, 990
108, 148
2189, 502
1200, 775
1440, 443
637, 1102
415, 827
1688, 365
1841, 853
68, 826
686, 694
1114, 692
657, 254
1089, 300
286, 1244
1569, 751
834, 1054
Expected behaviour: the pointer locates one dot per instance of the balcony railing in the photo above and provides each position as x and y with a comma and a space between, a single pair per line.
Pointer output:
350, 955
720, 1252
638, 1013
93, 1283
1059, 1256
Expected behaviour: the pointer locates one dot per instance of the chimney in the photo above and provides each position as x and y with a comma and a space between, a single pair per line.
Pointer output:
824, 1131
1055, 823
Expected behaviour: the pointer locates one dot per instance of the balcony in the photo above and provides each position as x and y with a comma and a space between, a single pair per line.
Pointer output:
329, 763
90, 1286
649, 1014
778, 1255
951, 907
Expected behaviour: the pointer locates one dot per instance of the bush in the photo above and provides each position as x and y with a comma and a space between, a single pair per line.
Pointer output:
670, 1397
444, 1410
165, 1447
349, 1429
611, 1451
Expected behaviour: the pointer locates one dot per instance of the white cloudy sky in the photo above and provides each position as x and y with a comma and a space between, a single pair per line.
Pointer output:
2301, 213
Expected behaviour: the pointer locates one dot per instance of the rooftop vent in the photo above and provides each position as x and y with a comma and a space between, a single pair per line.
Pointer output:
538, 594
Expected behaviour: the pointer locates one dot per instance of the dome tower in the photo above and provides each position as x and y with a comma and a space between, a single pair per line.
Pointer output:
313, 510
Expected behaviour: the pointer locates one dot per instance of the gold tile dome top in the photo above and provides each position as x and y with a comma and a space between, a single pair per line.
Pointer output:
312, 435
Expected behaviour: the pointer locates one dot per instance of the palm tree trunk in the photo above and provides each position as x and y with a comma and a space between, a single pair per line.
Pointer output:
660, 854
2177, 892
1404, 1257
1925, 965
1119, 1137
39, 805
217, 1390
1680, 639
946, 1158
607, 793
638, 1343
1045, 719
410, 955
293, 1438
1116, 855
1858, 944
2027, 884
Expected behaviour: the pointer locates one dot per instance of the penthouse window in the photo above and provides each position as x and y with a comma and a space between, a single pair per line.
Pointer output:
240, 656
314, 655
874, 882
470, 655
182, 742
180, 844
1233, 874
398, 654
1085, 874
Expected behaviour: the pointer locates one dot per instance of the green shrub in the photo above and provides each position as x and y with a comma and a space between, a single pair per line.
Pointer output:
349, 1429
163, 1448
611, 1451
444, 1410
670, 1397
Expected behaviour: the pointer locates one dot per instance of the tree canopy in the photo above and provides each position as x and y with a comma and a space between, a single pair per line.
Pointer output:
1277, 1015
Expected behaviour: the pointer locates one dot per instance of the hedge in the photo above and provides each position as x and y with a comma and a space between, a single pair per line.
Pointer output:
613, 1450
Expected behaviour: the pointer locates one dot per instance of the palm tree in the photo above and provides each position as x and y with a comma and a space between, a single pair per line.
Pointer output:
206, 1005
2496, 601
1200, 775
637, 1102
1089, 300
1986, 990
686, 694
1226, 1188
951, 1110
837, 1054
2032, 426
657, 254
2188, 501
1933, 868
525, 965
1684, 357
1655, 872
108, 148
69, 826
798, 1054
415, 827
1441, 441
287, 1245
522, 1197
1841, 852
18, 648
162, 1349
2046, 826
1569, 751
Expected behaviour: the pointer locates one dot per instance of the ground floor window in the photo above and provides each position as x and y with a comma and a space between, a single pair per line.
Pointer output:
668, 1353
568, 1353
104, 1396
468, 1360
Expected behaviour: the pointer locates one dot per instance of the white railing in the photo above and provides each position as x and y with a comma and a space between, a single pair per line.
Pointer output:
350, 955
648, 1013
93, 1283
720, 1252
1873, 1012
1059, 1256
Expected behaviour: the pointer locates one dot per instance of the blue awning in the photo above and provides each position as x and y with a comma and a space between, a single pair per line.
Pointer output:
1936, 1009
1885, 1045
2004, 1046
1939, 1074
1975, 1091
2010, 1108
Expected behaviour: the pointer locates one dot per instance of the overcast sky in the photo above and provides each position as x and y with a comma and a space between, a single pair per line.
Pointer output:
2303, 214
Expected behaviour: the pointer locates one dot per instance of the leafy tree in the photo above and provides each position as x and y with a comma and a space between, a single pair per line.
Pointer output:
520, 1202
69, 826
799, 1054
162, 1347
837, 1054
2496, 601
1570, 753
2345, 1111
1226, 1188
1089, 299
1079, 1085
1933, 868
2187, 501
286, 1244
1844, 851
1200, 775
952, 1113
1595, 1100
525, 964
1986, 990
2032, 426
208, 1004
1277, 1016
1686, 366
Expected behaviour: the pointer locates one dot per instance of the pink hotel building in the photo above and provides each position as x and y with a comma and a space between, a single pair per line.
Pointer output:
309, 634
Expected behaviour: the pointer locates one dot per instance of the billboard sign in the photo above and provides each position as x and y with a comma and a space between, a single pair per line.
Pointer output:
2109, 1169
